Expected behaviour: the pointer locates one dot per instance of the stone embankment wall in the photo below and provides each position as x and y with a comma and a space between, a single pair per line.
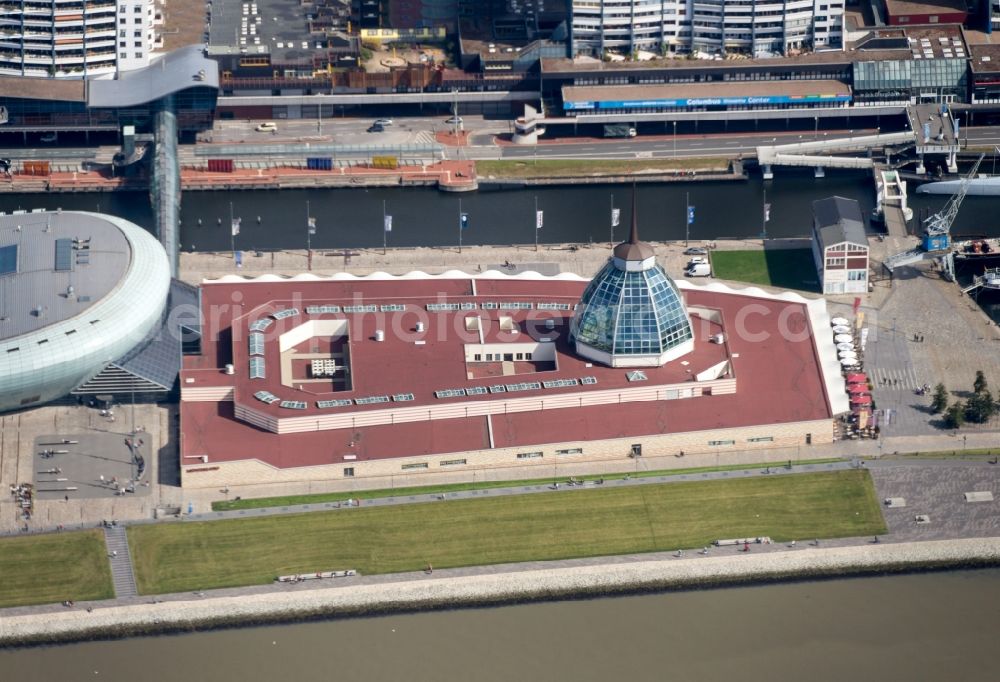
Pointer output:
723, 567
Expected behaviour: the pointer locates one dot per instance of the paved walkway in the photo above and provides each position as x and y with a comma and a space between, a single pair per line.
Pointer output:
122, 572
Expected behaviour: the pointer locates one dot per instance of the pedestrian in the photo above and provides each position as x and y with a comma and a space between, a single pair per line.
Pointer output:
793, 544
816, 542
876, 539
114, 553
66, 498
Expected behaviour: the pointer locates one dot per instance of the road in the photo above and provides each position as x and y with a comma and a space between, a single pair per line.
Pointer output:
483, 133
486, 140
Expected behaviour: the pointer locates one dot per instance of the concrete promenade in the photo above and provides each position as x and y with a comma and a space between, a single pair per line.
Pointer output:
488, 585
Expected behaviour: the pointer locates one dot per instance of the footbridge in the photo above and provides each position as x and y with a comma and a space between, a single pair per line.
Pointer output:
813, 154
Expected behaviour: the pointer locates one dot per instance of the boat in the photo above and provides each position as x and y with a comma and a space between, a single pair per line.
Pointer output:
991, 280
982, 186
986, 283
976, 249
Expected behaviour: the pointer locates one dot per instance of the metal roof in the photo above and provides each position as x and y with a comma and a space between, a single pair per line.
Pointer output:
46, 353
56, 279
158, 358
839, 220
175, 71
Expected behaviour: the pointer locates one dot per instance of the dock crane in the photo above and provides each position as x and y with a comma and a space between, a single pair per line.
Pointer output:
936, 240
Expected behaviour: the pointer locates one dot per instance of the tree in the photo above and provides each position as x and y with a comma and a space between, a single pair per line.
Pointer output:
980, 407
940, 401
954, 416
980, 384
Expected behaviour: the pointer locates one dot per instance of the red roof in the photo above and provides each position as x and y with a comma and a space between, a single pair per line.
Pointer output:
778, 379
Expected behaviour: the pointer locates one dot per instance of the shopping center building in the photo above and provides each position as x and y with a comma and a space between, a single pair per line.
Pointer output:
313, 379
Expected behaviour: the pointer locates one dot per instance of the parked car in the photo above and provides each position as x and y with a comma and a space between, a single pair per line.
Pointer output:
376, 128
699, 270
383, 122
696, 251
697, 260
50, 137
454, 120
267, 127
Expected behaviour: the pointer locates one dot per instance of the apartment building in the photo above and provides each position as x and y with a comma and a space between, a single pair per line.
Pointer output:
667, 27
75, 38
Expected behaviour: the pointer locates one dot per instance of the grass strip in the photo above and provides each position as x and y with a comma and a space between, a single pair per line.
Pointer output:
320, 498
784, 268
545, 526
543, 168
45, 569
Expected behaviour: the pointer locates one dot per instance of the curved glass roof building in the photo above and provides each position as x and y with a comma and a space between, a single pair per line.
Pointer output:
631, 314
77, 291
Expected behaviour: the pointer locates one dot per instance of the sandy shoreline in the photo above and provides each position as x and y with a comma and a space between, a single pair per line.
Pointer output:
421, 593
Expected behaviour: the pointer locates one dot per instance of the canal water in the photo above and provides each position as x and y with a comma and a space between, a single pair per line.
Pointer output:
352, 218
930, 626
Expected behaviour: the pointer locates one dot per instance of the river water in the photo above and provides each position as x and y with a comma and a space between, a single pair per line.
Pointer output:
352, 218
930, 626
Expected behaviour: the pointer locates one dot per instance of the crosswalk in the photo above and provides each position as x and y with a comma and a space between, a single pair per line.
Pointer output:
895, 378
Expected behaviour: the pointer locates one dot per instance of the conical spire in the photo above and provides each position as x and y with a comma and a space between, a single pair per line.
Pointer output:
633, 235
633, 249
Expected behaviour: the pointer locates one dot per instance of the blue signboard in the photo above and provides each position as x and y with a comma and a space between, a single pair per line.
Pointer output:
703, 102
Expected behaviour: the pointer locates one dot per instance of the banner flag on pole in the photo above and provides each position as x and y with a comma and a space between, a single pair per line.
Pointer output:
236, 226
388, 223
539, 219
616, 215
465, 221
767, 212
690, 215
311, 222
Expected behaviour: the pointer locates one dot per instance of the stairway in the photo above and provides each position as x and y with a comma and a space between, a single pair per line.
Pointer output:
121, 561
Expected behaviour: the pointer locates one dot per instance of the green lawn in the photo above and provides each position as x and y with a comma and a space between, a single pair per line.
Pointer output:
320, 498
45, 569
784, 268
585, 167
544, 526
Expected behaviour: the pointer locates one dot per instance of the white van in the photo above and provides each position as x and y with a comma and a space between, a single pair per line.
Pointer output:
699, 270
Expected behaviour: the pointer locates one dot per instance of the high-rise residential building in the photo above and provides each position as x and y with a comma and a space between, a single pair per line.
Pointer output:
753, 27
75, 38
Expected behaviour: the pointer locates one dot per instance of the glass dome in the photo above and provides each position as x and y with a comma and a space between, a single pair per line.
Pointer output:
631, 314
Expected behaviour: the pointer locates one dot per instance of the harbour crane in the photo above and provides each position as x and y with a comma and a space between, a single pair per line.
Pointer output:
936, 240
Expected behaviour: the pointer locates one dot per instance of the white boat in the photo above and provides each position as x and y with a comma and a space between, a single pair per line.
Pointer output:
991, 280
982, 186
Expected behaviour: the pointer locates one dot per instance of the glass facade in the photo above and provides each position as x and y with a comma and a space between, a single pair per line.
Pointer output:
897, 80
632, 313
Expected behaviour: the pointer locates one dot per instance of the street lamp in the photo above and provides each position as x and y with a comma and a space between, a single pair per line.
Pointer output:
675, 139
